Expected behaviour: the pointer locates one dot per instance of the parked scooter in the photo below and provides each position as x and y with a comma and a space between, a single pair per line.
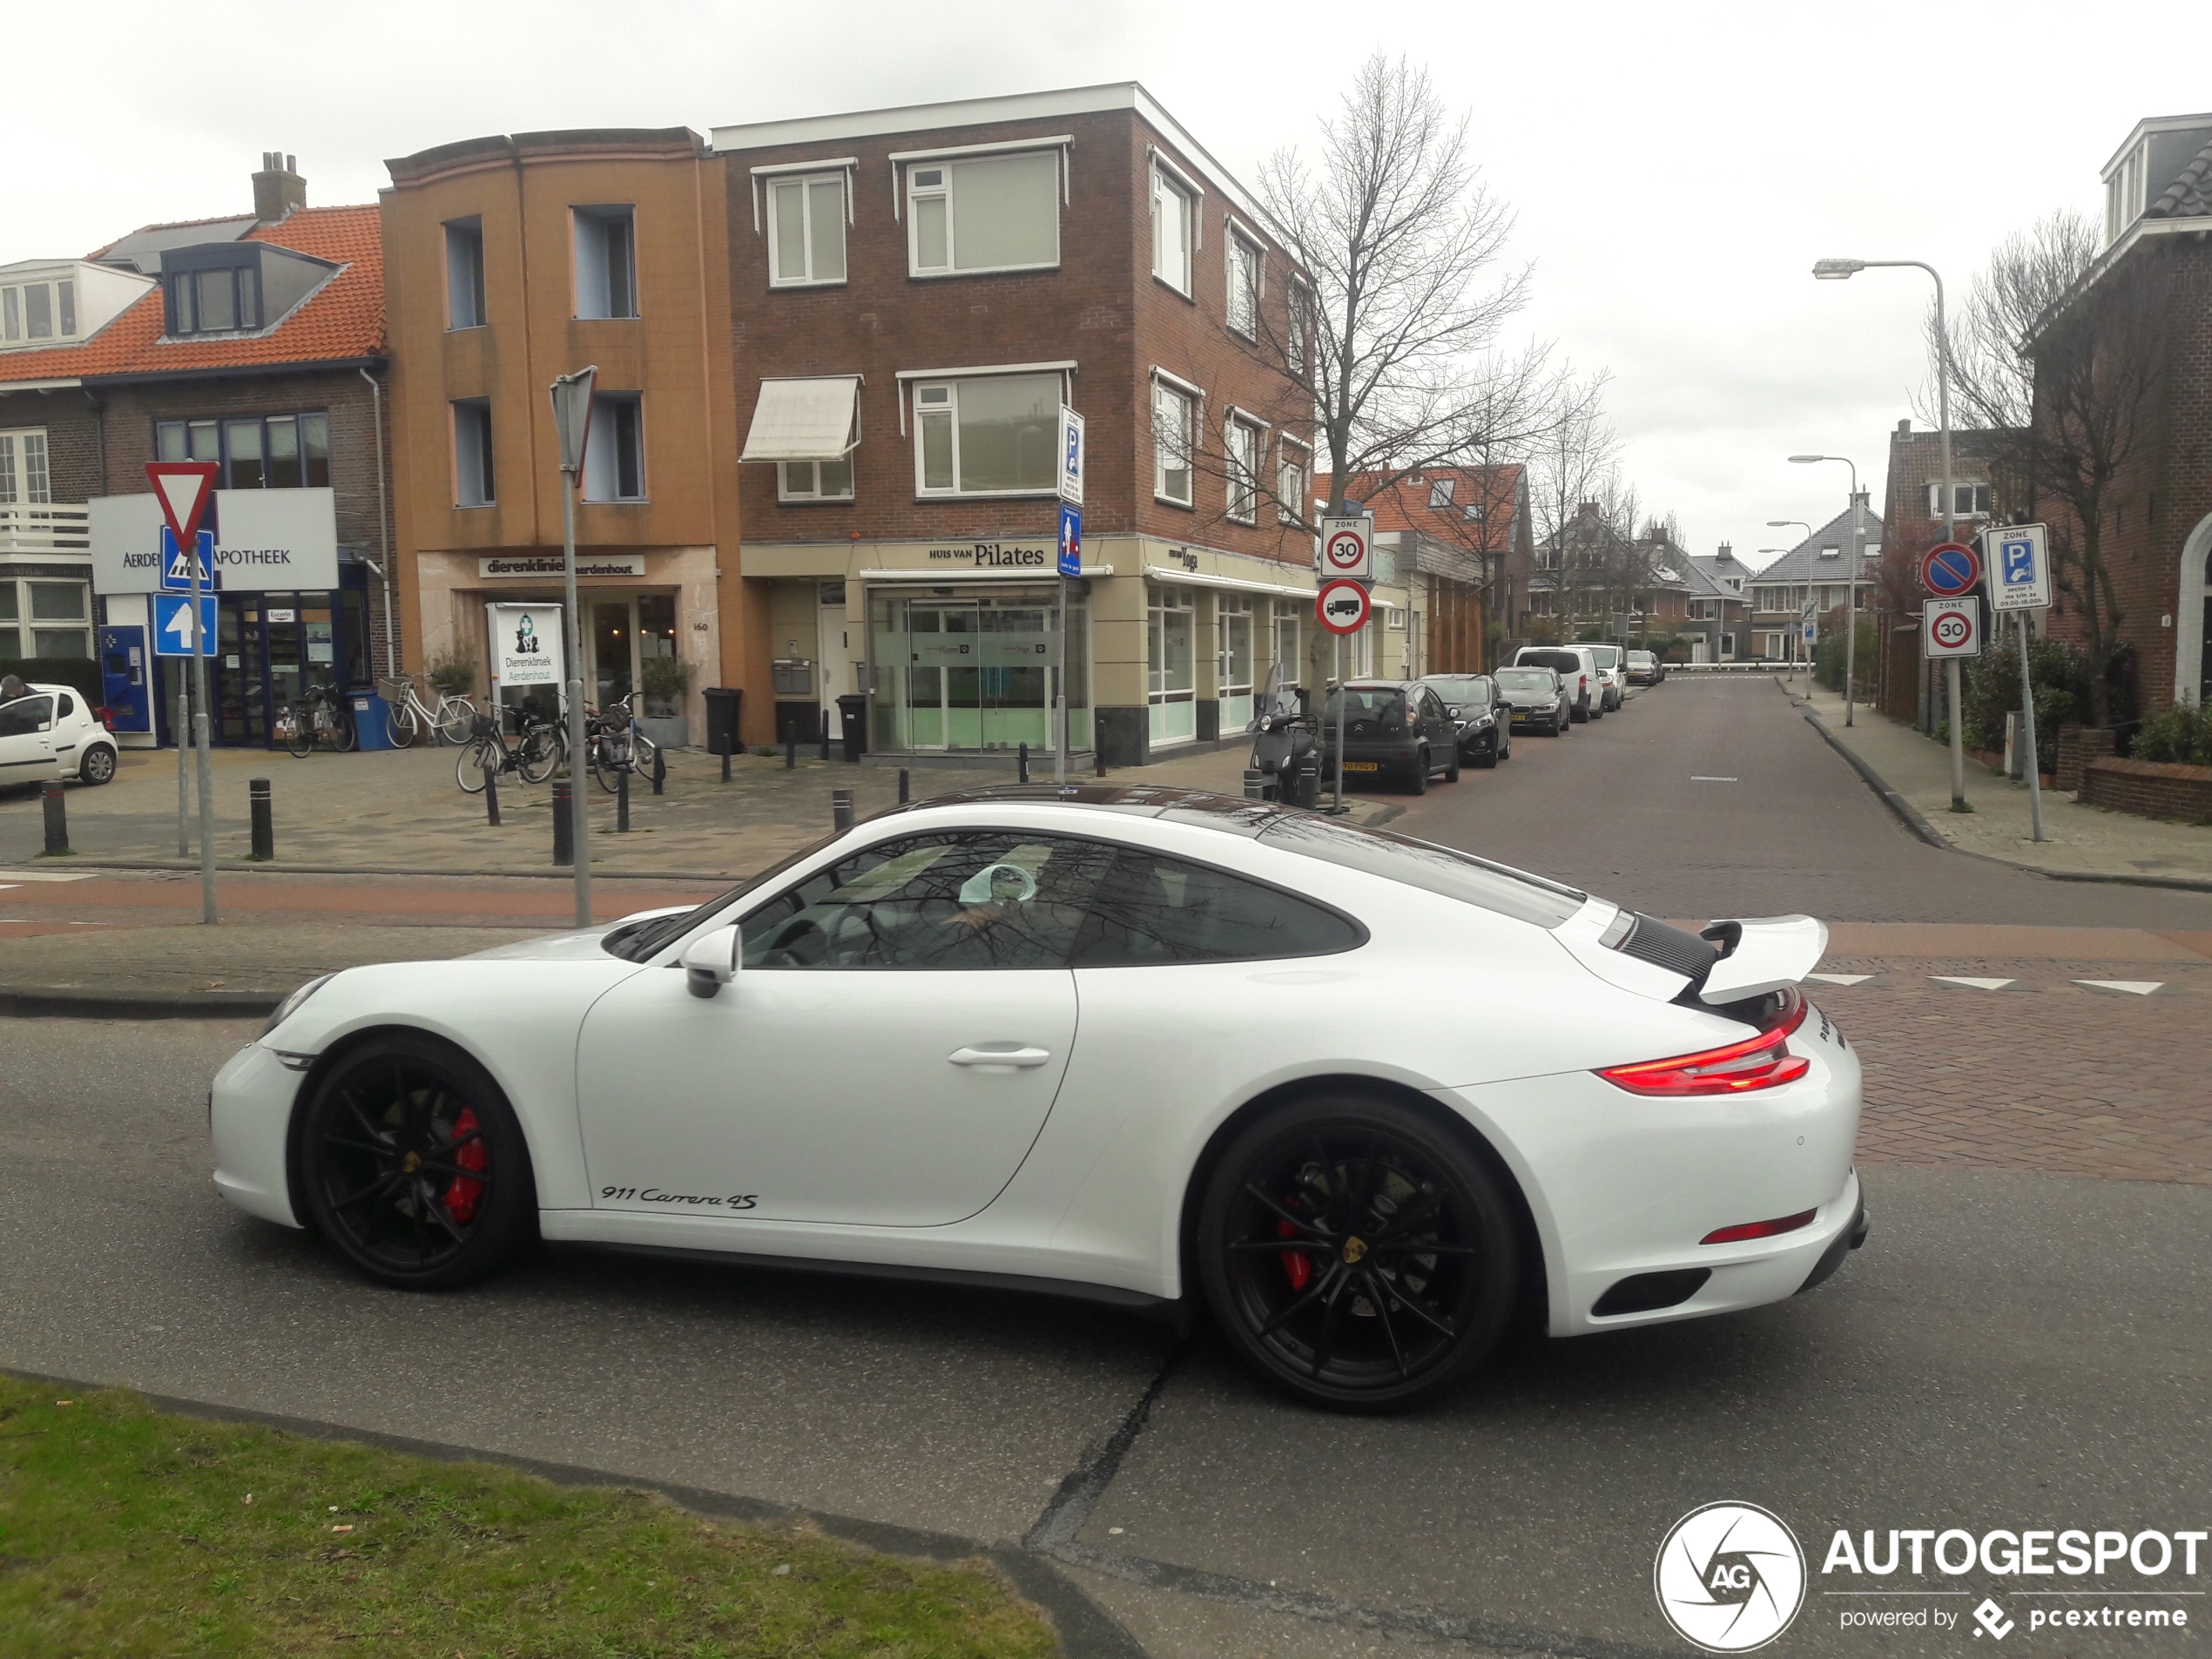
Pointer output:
1286, 751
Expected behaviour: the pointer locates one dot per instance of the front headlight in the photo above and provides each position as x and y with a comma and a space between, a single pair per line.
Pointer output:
291, 1004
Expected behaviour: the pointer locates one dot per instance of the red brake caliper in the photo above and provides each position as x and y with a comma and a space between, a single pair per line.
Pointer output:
1295, 1264
461, 1198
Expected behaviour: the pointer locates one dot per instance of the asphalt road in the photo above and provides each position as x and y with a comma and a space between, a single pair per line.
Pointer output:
2011, 1350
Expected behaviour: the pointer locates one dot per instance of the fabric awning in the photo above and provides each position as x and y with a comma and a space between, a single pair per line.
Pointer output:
817, 420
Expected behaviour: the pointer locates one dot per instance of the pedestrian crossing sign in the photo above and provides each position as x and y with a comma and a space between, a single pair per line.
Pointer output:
176, 569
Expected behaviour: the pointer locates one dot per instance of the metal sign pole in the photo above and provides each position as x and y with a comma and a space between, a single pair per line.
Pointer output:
201, 734
579, 806
1060, 696
1341, 700
180, 725
2027, 721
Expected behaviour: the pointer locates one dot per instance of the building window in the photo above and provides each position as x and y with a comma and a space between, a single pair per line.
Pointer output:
993, 435
1175, 223
38, 311
1968, 500
1440, 493
985, 213
1705, 611
1244, 444
1171, 667
806, 230
49, 608
1289, 619
222, 300
1174, 432
1233, 614
23, 480
465, 274
814, 480
1728, 646
606, 262
1245, 267
254, 452
1293, 481
614, 450
1297, 346
472, 471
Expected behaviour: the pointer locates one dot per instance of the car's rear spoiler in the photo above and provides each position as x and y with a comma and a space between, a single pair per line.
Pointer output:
1758, 954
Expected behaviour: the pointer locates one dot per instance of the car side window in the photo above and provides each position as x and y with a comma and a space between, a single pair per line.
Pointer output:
952, 899
69, 706
26, 715
1154, 910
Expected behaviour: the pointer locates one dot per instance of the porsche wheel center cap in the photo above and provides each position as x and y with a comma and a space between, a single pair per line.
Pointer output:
1353, 1250
412, 1163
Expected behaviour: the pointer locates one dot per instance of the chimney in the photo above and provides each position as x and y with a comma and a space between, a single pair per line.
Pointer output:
277, 188
1724, 554
1904, 427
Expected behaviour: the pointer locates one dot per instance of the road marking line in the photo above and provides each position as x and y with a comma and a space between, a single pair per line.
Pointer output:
2131, 987
47, 875
1695, 779
1966, 982
1841, 979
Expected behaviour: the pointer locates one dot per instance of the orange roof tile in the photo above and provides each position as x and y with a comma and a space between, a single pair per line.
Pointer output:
345, 319
1405, 504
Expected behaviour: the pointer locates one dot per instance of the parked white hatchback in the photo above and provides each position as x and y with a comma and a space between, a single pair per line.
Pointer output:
49, 731
1368, 1096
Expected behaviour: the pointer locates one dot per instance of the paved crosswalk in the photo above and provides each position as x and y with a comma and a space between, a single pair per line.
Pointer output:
1982, 982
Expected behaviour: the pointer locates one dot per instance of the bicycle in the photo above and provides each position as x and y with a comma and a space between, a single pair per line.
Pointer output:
486, 753
617, 745
320, 715
407, 716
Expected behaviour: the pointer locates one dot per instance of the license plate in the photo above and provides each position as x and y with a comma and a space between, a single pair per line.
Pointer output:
1363, 766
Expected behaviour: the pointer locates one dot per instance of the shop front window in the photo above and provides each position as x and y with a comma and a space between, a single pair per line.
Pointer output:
662, 685
1171, 662
1234, 623
975, 673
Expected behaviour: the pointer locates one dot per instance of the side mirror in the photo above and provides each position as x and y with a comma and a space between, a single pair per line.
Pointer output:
711, 961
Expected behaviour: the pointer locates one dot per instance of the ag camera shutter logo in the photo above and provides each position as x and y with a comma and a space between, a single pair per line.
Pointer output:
1730, 1577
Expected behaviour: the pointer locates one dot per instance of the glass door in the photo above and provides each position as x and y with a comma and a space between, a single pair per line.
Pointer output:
614, 635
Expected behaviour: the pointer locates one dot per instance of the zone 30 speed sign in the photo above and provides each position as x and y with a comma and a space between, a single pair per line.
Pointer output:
1951, 628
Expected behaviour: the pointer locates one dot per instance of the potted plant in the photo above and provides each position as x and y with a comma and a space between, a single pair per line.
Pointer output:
453, 671
664, 680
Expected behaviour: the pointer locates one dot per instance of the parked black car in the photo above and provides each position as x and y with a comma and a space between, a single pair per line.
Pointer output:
1392, 728
1471, 701
1538, 698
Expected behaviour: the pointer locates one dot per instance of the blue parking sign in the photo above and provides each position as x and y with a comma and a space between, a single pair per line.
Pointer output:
2019, 556
1071, 540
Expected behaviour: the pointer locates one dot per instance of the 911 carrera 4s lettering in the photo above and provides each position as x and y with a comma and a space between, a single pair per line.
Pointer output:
654, 1195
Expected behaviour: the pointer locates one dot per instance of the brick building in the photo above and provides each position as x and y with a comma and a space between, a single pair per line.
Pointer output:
254, 342
512, 261
2158, 522
1814, 580
914, 294
1458, 543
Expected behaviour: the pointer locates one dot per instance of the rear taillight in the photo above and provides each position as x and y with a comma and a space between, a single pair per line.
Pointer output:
1763, 1062
1743, 1231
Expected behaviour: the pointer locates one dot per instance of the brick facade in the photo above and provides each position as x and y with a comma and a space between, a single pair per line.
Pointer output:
2078, 745
71, 419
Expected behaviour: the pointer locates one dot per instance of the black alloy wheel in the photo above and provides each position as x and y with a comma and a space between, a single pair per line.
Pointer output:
1358, 1253
1452, 766
411, 1163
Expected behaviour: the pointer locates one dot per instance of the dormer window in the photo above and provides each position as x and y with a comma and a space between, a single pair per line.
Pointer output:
1440, 493
215, 302
236, 288
37, 312
1831, 552
2158, 154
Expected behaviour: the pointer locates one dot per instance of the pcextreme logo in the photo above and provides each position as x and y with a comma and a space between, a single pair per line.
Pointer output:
1730, 1577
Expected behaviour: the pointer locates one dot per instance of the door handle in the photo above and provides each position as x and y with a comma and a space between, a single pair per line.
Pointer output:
1000, 1059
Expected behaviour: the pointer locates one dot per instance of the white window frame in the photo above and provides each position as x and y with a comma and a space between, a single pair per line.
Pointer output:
1166, 176
22, 483
1283, 494
63, 313
1194, 402
785, 493
1243, 244
806, 179
907, 166
951, 381
1977, 494
1255, 433
1163, 602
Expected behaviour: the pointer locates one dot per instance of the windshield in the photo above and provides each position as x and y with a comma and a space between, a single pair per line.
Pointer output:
1606, 656
1524, 679
1460, 688
634, 942
1640, 659
1497, 888
1565, 661
1366, 703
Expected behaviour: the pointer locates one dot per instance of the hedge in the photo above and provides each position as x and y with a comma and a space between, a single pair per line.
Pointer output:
80, 673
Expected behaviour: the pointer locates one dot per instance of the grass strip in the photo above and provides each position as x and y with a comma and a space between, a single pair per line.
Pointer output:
125, 1531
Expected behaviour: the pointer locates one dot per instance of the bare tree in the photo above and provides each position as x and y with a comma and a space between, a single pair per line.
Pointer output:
2064, 373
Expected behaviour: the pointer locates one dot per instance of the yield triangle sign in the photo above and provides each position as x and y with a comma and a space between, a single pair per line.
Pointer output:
184, 489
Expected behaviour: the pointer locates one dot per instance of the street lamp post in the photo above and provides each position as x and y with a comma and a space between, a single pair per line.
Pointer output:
572, 425
1842, 271
1797, 627
1851, 591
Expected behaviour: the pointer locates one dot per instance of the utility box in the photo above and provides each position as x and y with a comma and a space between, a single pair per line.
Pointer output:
853, 724
723, 705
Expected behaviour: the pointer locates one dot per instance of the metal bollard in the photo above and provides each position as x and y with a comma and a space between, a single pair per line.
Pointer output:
264, 816
1021, 765
1255, 783
56, 819
824, 738
660, 766
903, 796
840, 809
491, 795
726, 764
791, 750
622, 802
564, 825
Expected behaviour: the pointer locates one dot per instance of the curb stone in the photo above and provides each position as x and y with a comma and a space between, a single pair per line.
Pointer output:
1086, 1630
23, 1002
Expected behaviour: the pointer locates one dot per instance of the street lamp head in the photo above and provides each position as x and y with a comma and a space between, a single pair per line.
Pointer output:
1806, 460
1837, 270
1783, 523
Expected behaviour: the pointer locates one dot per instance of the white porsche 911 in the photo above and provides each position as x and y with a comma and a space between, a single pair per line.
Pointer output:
1369, 1095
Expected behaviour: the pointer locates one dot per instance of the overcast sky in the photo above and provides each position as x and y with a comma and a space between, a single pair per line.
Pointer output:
1675, 168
